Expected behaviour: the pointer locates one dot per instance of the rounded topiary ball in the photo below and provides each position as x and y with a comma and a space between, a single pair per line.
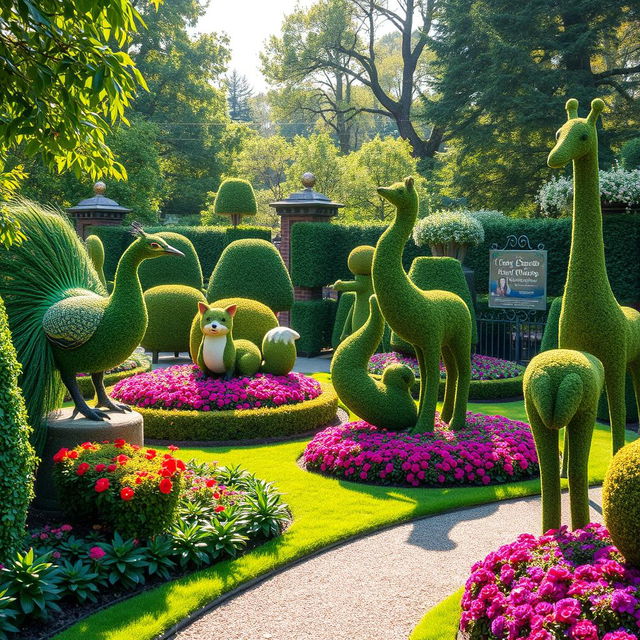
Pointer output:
621, 501
171, 269
235, 198
360, 260
250, 322
171, 309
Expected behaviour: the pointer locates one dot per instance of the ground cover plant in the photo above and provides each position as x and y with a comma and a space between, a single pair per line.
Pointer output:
492, 449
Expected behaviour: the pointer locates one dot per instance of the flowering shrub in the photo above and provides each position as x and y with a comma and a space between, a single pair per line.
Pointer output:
617, 185
186, 387
482, 367
564, 584
443, 227
492, 449
132, 489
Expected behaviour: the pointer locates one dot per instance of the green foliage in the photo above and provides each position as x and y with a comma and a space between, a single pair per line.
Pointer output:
342, 322
158, 552
313, 320
550, 335
224, 537
268, 514
168, 270
95, 249
252, 269
446, 229
171, 310
561, 389
620, 501
630, 154
8, 615
386, 404
124, 562
223, 426
17, 459
235, 196
78, 581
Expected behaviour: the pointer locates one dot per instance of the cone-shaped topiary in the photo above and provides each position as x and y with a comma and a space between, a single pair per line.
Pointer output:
386, 404
166, 270
95, 249
621, 501
252, 269
434, 322
235, 198
561, 389
171, 309
17, 459
591, 320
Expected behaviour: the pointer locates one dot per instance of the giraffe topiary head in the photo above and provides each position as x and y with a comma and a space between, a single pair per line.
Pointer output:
401, 194
577, 136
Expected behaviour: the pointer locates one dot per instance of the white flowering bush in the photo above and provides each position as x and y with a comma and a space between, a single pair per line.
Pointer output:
484, 215
618, 185
448, 233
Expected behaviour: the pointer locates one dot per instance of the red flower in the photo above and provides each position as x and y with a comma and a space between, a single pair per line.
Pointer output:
172, 447
111, 468
95, 553
127, 493
88, 445
181, 465
219, 508
83, 467
72, 454
151, 454
100, 467
61, 455
165, 485
135, 447
102, 484
138, 480
211, 482
216, 496
122, 459
119, 443
170, 465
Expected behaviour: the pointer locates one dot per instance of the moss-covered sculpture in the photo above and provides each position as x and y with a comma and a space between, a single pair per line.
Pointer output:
550, 335
170, 309
235, 198
219, 354
17, 459
60, 316
342, 322
433, 322
443, 273
621, 501
591, 319
359, 263
561, 389
187, 271
95, 249
252, 269
387, 403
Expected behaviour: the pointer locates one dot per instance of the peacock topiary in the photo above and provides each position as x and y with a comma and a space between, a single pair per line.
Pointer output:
95, 249
253, 269
235, 198
165, 270
61, 319
171, 309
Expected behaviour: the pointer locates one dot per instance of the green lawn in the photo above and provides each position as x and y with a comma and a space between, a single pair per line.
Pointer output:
441, 622
325, 511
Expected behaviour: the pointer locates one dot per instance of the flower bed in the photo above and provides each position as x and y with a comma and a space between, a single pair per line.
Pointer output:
491, 378
493, 449
182, 403
137, 363
561, 585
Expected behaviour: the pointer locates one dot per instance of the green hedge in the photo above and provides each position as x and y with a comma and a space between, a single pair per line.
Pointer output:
313, 320
222, 426
209, 242
319, 250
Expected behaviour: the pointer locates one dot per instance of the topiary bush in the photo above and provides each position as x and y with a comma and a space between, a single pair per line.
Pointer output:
313, 320
235, 198
343, 312
95, 249
448, 233
630, 154
621, 501
131, 489
172, 270
171, 310
17, 458
253, 269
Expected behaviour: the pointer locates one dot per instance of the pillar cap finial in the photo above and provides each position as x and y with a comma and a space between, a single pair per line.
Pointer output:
308, 180
99, 188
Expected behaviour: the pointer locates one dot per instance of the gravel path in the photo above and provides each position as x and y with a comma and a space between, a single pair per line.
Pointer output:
378, 587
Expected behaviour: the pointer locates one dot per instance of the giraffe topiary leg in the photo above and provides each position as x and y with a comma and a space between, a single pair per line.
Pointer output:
428, 391
614, 375
634, 371
580, 433
423, 375
565, 455
461, 350
450, 383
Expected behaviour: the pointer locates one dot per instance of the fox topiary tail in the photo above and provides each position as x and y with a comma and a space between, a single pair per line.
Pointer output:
50, 265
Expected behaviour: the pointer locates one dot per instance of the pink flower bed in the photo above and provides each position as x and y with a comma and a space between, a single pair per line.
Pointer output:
185, 387
564, 584
493, 449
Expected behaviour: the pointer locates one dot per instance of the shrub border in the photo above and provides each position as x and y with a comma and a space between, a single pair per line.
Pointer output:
201, 426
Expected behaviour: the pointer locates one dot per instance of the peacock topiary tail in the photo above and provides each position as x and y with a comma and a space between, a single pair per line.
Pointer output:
50, 265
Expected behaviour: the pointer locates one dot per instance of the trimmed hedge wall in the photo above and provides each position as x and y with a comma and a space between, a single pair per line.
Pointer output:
209, 242
319, 251
313, 320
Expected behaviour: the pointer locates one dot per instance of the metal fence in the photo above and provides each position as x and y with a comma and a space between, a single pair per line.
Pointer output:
510, 334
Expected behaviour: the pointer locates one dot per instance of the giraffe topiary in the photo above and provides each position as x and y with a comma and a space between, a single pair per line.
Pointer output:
434, 322
591, 320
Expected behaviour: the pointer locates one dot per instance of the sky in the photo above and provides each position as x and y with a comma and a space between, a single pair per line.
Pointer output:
248, 23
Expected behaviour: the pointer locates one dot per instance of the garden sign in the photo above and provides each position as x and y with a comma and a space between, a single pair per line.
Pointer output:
518, 279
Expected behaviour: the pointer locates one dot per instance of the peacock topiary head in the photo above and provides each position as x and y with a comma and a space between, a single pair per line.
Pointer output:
577, 136
403, 195
150, 245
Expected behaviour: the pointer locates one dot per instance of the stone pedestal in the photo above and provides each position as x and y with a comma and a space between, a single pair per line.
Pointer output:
62, 431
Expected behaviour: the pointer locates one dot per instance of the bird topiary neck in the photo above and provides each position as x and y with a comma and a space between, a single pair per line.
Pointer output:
126, 285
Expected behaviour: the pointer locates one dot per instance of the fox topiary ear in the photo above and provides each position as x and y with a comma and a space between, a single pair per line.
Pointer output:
202, 307
231, 309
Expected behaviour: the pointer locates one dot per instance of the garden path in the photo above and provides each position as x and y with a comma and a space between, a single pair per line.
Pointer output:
377, 587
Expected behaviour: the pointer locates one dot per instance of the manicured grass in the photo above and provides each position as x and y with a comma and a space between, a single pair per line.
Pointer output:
441, 622
325, 511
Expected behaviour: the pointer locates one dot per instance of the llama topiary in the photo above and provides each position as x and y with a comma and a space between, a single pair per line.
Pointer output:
561, 389
591, 320
387, 404
434, 322
253, 269
95, 249
235, 198
17, 459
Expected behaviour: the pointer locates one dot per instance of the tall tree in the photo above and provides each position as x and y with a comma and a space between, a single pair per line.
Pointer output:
239, 92
505, 70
